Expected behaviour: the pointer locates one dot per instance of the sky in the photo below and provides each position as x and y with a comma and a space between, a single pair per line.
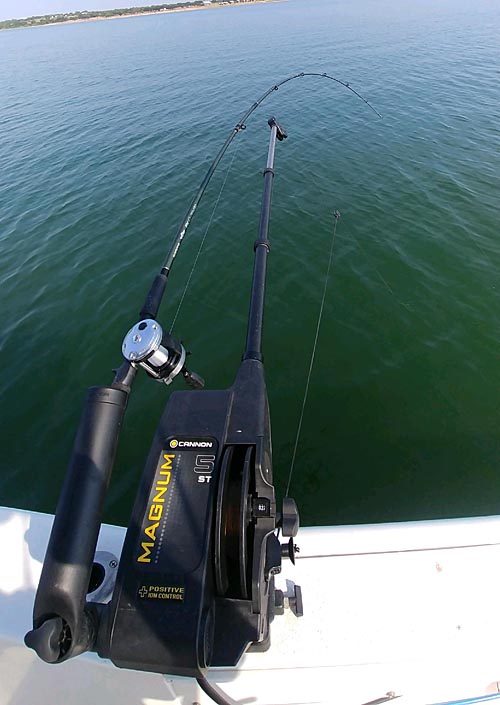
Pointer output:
10, 9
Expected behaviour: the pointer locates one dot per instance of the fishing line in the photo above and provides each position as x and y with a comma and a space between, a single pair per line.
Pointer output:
241, 125
155, 294
188, 282
336, 216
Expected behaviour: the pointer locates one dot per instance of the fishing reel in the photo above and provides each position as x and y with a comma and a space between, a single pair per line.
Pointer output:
158, 353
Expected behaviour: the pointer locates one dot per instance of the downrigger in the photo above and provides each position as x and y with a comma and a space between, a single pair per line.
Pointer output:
195, 582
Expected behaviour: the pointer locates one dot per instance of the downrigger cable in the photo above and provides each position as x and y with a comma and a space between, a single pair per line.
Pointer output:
195, 584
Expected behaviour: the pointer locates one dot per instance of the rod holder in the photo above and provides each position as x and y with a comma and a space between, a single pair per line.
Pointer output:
62, 624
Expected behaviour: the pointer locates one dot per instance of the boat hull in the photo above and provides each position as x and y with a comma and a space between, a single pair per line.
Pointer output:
407, 609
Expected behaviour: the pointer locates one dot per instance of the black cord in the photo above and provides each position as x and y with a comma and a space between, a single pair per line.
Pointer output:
217, 696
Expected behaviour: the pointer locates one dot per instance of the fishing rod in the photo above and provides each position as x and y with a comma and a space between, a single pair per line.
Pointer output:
195, 585
155, 294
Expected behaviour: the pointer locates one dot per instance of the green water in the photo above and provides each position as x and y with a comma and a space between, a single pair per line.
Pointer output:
106, 130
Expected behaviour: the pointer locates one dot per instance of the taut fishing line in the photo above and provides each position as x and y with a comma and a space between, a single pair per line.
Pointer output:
336, 216
188, 281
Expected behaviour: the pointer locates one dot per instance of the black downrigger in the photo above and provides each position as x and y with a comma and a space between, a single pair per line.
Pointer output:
195, 581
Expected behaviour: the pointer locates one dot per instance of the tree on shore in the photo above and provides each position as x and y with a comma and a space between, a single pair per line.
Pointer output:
56, 18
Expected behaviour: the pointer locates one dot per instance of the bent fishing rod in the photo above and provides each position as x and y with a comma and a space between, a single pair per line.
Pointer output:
195, 581
155, 294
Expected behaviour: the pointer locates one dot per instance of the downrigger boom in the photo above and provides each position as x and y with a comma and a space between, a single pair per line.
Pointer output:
194, 586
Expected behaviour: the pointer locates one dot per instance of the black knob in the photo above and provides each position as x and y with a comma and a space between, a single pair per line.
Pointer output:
296, 603
289, 517
46, 639
288, 550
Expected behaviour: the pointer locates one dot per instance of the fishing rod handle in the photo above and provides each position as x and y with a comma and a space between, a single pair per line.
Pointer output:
62, 626
154, 296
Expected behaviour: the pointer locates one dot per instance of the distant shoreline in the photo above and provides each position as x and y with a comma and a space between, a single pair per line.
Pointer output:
140, 13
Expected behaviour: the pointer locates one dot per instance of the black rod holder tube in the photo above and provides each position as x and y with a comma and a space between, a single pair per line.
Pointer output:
62, 626
253, 347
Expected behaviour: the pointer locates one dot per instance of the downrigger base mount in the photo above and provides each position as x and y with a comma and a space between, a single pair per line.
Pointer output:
195, 581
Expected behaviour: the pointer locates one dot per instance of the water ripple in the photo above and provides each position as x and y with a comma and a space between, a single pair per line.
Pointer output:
107, 130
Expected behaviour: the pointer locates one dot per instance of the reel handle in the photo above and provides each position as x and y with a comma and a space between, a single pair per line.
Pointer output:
194, 380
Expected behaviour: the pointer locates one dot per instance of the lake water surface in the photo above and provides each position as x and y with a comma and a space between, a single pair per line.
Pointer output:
106, 130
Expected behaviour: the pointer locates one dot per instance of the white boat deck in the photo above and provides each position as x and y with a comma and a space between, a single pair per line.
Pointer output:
408, 609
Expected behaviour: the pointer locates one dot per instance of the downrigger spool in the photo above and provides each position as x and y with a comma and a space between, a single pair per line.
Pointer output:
195, 581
